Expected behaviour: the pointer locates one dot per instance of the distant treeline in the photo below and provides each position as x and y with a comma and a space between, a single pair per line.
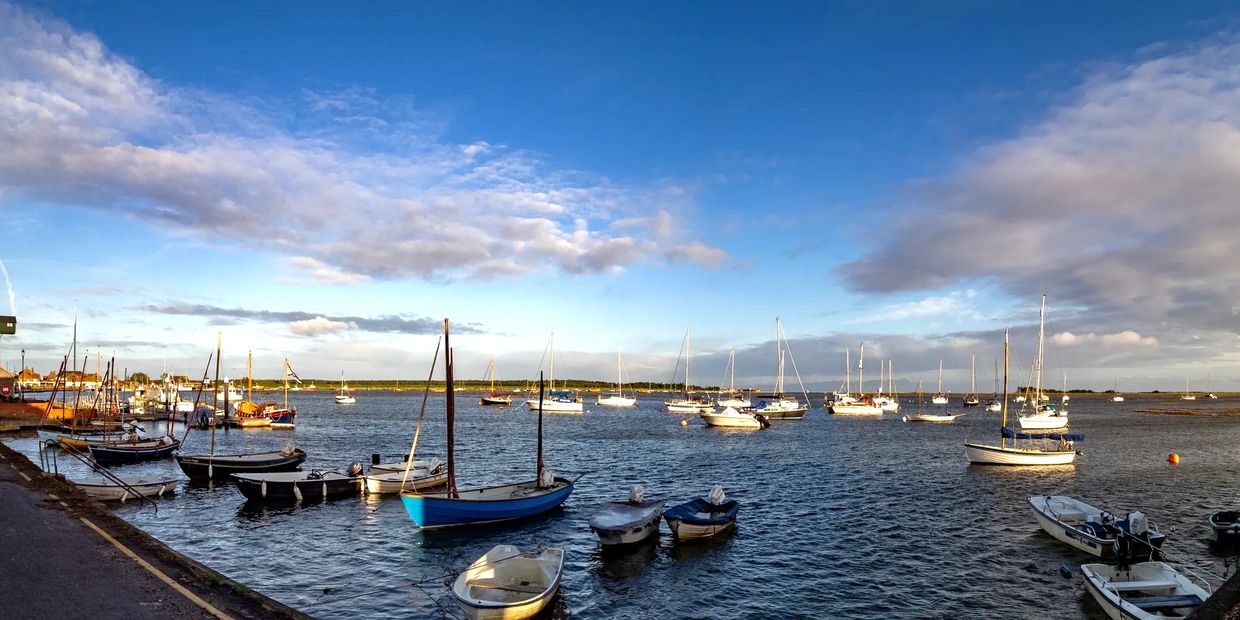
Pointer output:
471, 384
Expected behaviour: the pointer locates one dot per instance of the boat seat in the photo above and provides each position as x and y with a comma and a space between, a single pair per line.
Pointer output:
491, 584
1151, 603
1150, 584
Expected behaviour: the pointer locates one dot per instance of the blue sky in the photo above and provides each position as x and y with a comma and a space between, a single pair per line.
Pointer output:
323, 184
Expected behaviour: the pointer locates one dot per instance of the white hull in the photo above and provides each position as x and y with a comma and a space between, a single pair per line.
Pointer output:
732, 418
938, 400
980, 454
1043, 422
927, 417
345, 400
688, 406
891, 406
690, 531
1119, 593
856, 409
735, 403
555, 406
418, 464
994, 408
616, 401
505, 584
419, 480
103, 489
1117, 399
625, 523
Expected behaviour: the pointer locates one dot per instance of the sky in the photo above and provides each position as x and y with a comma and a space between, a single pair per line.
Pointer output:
325, 184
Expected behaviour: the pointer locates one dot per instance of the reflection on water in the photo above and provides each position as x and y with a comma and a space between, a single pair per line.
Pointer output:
855, 518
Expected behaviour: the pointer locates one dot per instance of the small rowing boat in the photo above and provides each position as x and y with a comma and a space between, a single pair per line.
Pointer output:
702, 517
1144, 591
1226, 526
508, 584
106, 489
297, 486
418, 479
221, 466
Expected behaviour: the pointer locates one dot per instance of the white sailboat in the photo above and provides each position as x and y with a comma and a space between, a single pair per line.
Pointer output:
557, 401
779, 405
618, 399
733, 398
1043, 415
1004, 454
844, 395
890, 402
1187, 395
922, 416
940, 397
687, 403
863, 406
343, 397
971, 399
993, 405
1118, 398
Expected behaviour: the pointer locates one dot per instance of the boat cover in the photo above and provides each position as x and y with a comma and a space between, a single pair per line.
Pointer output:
700, 511
1011, 434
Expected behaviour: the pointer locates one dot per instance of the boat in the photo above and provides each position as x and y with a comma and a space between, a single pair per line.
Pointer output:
556, 401
731, 418
1062, 453
971, 399
865, 405
887, 402
1225, 525
922, 416
843, 396
502, 399
940, 397
343, 397
1042, 415
248, 414
220, 466
688, 403
133, 452
733, 398
502, 502
418, 479
1144, 591
1095, 531
779, 405
618, 399
507, 584
628, 522
107, 489
702, 517
300, 486
993, 405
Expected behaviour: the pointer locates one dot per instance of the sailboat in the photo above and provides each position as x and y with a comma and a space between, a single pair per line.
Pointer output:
843, 395
1187, 395
1004, 454
688, 403
618, 399
864, 405
940, 397
1115, 388
892, 401
494, 398
922, 416
245, 413
993, 405
1044, 415
1210, 395
487, 504
560, 401
732, 398
343, 397
778, 405
971, 400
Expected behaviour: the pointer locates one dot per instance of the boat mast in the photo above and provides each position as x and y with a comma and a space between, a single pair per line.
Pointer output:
1003, 422
619, 372
539, 464
940, 391
551, 346
861, 371
779, 359
973, 380
286, 369
215, 404
847, 371
449, 408
1038, 361
891, 380
688, 349
249, 375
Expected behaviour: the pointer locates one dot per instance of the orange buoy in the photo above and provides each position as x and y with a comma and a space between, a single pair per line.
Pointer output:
684, 423
1173, 458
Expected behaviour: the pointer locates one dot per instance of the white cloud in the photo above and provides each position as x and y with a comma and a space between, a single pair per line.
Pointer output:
1127, 338
371, 192
954, 305
698, 253
318, 326
323, 273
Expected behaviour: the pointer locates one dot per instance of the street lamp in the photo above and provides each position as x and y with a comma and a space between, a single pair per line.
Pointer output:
21, 372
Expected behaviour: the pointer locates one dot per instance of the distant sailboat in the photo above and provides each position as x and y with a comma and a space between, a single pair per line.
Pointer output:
1044, 415
994, 405
343, 397
779, 405
1115, 388
618, 399
732, 398
863, 406
1187, 395
503, 399
971, 400
688, 403
940, 397
557, 401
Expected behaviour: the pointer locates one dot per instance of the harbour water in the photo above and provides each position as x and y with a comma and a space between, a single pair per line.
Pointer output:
848, 517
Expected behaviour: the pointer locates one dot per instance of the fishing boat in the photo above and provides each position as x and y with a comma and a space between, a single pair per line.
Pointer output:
1003, 454
1042, 414
1095, 531
505, 584
1225, 525
486, 504
313, 485
733, 398
416, 479
133, 452
971, 399
221, 466
108, 489
555, 401
865, 405
940, 397
731, 418
618, 399
1145, 591
343, 396
688, 403
922, 416
628, 522
502, 399
702, 517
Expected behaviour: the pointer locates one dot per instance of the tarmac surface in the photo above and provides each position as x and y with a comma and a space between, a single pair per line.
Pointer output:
54, 564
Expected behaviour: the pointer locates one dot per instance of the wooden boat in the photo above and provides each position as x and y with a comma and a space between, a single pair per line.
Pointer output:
731, 418
221, 466
1226, 526
483, 505
922, 416
507, 584
399, 466
1144, 591
1097, 532
134, 452
1003, 454
623, 523
419, 479
300, 486
702, 517
105, 489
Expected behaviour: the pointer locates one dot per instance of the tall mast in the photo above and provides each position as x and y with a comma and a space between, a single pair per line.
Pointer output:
249, 376
732, 365
688, 354
552, 348
215, 404
940, 376
848, 371
779, 358
891, 380
973, 380
881, 376
286, 369
861, 371
449, 409
619, 372
1003, 422
1038, 361
539, 464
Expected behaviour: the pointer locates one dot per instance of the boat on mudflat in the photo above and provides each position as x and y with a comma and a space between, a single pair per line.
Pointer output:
628, 522
702, 517
106, 489
1145, 591
507, 584
1095, 531
220, 466
298, 486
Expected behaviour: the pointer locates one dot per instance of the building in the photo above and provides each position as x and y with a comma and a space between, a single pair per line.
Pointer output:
8, 385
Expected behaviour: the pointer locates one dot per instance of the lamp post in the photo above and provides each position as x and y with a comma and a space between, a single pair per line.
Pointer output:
21, 372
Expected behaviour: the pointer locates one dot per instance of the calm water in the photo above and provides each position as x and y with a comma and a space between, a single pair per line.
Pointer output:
852, 517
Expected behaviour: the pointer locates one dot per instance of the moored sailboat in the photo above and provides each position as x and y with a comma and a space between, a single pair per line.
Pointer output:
343, 396
688, 403
618, 399
556, 401
492, 397
865, 405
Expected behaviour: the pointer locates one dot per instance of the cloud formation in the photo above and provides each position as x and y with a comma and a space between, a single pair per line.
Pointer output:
1127, 338
1120, 204
311, 323
372, 192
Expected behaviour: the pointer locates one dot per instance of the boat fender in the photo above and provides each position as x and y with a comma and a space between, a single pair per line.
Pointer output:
264, 489
324, 496
296, 492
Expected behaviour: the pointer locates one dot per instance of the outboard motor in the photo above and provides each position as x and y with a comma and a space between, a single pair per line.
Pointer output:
354, 470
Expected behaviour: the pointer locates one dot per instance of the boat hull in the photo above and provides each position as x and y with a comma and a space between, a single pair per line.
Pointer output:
1145, 580
1080, 537
136, 453
626, 523
856, 409
501, 401
936, 419
617, 401
220, 467
1042, 423
981, 454
555, 406
105, 490
731, 418
485, 505
390, 482
686, 522
277, 487
506, 584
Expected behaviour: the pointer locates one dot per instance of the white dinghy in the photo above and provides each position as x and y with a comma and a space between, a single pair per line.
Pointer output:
624, 523
418, 479
731, 418
508, 584
387, 468
1144, 591
105, 489
922, 416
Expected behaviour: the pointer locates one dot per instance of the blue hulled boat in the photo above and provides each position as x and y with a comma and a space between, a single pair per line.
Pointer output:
488, 504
